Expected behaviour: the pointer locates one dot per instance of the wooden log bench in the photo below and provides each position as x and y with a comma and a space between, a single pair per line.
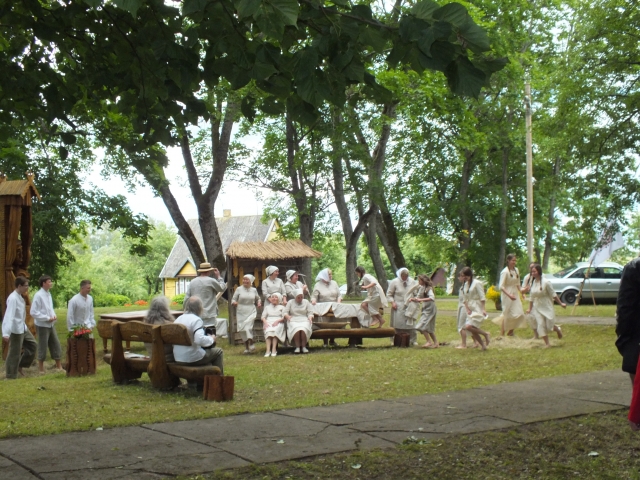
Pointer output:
163, 375
353, 333
106, 318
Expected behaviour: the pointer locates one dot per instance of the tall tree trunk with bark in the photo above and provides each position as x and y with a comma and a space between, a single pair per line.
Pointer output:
382, 236
374, 252
503, 212
464, 232
548, 238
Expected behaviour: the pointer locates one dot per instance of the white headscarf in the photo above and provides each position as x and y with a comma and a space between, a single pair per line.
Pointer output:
250, 277
278, 295
324, 276
271, 269
297, 291
399, 272
290, 273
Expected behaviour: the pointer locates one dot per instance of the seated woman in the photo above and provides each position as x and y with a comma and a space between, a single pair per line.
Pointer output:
375, 297
299, 316
293, 284
246, 299
273, 324
201, 351
326, 289
158, 314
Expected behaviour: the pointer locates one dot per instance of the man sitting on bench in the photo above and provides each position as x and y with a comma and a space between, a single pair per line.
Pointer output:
202, 351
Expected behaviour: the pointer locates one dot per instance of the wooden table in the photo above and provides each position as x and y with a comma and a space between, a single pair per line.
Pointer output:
128, 317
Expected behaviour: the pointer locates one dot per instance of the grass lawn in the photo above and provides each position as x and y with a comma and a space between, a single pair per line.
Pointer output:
52, 403
586, 309
554, 450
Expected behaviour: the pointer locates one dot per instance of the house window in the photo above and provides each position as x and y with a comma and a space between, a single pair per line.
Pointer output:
182, 284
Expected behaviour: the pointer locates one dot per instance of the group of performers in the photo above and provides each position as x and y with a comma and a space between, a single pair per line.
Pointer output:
287, 316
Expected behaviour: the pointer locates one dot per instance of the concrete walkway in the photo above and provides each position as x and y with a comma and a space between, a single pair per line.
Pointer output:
199, 446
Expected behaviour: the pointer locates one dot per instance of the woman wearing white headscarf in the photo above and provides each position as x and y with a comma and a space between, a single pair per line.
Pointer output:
326, 289
376, 298
273, 284
246, 299
398, 288
293, 284
299, 316
273, 324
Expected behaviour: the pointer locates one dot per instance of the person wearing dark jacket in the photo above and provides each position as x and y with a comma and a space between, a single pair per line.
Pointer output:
628, 317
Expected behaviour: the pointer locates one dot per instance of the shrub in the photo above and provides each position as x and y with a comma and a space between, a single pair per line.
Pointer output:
178, 299
493, 294
142, 303
439, 291
110, 300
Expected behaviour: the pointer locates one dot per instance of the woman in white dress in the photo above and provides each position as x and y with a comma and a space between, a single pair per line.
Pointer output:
512, 311
326, 290
541, 305
474, 304
273, 284
273, 324
427, 323
299, 316
526, 288
293, 284
376, 298
246, 299
398, 288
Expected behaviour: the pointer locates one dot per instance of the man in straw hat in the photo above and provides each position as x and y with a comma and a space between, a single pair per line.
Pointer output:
207, 289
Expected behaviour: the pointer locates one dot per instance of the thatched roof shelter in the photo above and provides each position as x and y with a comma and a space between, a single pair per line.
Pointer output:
277, 250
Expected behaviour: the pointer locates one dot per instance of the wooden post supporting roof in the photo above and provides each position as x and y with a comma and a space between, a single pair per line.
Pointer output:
16, 235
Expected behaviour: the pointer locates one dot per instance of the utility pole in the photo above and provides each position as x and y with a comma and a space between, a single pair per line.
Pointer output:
529, 141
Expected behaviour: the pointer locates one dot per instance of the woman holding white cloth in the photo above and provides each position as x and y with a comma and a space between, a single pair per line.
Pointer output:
376, 298
398, 289
246, 299
299, 316
541, 305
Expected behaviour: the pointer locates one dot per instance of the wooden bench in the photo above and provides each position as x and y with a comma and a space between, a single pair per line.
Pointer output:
123, 317
353, 333
163, 375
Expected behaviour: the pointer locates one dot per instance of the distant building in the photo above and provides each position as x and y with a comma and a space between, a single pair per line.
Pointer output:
180, 269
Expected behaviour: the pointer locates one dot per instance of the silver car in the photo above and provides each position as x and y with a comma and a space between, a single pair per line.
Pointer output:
603, 281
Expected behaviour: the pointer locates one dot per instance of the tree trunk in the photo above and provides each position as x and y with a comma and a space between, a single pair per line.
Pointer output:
382, 235
503, 213
548, 238
374, 252
464, 234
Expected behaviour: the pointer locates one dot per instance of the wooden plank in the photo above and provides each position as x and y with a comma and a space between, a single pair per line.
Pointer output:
353, 333
136, 331
175, 334
137, 315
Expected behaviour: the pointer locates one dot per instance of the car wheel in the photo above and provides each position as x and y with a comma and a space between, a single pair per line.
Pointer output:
569, 297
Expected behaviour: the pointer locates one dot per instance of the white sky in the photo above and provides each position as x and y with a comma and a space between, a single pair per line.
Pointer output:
239, 199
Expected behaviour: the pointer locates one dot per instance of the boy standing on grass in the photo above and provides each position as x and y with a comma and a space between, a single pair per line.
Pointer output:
45, 318
15, 331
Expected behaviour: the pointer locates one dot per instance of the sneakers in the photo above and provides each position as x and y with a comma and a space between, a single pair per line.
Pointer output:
305, 350
297, 350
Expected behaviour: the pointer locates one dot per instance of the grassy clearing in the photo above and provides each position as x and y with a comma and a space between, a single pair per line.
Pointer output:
555, 450
52, 403
587, 309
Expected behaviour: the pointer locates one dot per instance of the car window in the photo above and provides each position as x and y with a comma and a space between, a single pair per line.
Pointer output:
611, 272
580, 273
563, 273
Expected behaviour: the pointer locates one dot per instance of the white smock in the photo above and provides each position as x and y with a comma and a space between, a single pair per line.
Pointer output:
270, 315
542, 297
473, 296
246, 312
301, 317
427, 321
396, 292
512, 310
376, 298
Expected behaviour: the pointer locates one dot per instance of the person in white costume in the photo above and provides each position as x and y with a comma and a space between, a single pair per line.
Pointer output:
526, 288
273, 324
246, 299
427, 323
273, 284
512, 310
474, 304
45, 319
326, 290
293, 284
299, 316
541, 305
376, 298
22, 345
398, 288
80, 308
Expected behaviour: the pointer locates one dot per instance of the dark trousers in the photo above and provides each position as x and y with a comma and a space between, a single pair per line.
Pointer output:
22, 351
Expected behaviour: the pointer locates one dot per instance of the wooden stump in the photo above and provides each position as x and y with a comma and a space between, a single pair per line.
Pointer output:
218, 388
401, 340
81, 357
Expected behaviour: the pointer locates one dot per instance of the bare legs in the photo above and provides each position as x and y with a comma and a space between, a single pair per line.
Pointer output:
272, 346
477, 335
430, 343
300, 341
463, 336
558, 331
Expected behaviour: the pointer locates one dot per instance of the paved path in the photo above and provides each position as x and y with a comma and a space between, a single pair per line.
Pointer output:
199, 446
559, 319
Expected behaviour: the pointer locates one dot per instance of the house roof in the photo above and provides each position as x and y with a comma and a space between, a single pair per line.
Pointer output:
231, 229
18, 187
276, 250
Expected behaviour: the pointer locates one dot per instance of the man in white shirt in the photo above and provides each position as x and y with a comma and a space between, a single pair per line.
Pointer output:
22, 345
45, 318
80, 311
206, 289
201, 351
